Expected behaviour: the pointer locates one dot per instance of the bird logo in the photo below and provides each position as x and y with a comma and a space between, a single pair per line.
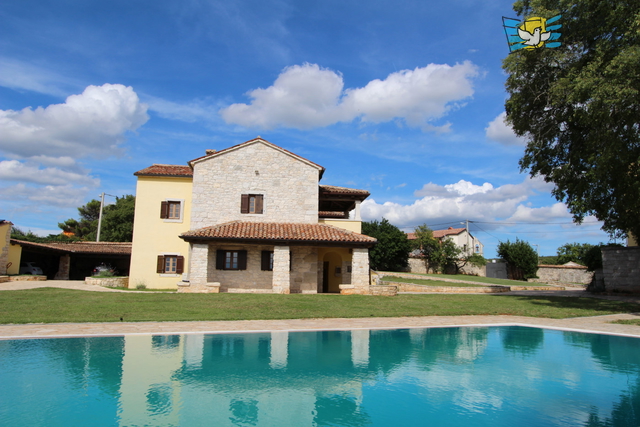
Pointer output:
533, 33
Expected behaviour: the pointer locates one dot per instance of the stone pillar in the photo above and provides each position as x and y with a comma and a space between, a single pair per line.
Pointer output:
356, 214
281, 274
63, 268
279, 349
360, 348
5, 242
199, 264
360, 270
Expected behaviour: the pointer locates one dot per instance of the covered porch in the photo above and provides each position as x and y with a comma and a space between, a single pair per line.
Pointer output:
277, 258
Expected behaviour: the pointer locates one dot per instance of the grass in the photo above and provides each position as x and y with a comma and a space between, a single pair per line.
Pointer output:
53, 305
480, 279
141, 289
627, 322
427, 282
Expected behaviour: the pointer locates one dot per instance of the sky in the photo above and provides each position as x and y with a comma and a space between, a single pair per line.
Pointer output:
404, 99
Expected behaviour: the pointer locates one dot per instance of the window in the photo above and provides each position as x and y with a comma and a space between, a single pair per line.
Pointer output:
266, 263
170, 264
171, 210
231, 260
251, 203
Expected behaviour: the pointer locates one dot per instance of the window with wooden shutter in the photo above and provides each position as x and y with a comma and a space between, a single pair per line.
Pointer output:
252, 204
170, 264
164, 210
266, 261
171, 210
231, 260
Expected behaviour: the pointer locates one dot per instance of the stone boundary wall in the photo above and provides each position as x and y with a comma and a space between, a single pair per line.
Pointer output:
563, 274
27, 278
417, 265
410, 287
621, 269
108, 282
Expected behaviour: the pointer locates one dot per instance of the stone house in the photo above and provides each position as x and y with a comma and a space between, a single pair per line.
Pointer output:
460, 236
249, 218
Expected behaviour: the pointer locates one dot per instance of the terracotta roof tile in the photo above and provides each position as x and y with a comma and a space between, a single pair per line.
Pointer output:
113, 248
448, 232
440, 233
279, 232
166, 170
332, 189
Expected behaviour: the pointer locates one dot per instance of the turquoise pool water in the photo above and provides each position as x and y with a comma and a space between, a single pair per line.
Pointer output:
473, 376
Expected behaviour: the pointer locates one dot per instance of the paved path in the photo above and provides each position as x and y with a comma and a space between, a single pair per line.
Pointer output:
599, 324
66, 284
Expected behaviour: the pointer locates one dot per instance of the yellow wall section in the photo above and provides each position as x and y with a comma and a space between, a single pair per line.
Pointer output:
15, 252
153, 236
335, 257
355, 226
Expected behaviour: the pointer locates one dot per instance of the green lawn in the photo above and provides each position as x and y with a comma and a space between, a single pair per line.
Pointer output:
479, 279
53, 305
628, 322
427, 282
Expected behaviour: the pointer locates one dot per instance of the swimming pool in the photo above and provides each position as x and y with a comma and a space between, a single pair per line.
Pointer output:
480, 376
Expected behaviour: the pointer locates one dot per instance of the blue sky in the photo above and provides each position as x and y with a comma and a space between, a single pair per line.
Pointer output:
402, 98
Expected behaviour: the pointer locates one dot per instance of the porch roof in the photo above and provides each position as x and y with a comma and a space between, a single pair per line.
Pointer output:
105, 248
280, 233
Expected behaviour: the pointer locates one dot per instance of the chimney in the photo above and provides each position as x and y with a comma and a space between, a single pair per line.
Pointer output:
209, 152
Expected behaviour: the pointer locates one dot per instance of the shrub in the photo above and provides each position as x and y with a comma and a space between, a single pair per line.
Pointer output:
521, 259
391, 253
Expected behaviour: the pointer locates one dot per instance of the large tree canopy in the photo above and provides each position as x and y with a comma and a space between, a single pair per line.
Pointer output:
578, 105
117, 221
391, 253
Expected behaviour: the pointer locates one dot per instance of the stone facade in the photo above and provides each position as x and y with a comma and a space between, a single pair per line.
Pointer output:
563, 274
287, 199
289, 186
621, 269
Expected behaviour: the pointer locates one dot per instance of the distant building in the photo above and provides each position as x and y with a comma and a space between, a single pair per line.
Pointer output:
464, 240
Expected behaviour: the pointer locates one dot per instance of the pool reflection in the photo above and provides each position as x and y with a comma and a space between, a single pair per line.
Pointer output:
476, 375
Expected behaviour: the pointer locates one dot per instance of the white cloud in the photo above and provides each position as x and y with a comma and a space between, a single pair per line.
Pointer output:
187, 112
462, 200
13, 170
65, 196
499, 131
557, 211
91, 123
307, 96
23, 76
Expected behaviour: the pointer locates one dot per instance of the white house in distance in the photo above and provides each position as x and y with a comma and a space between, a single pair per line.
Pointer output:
461, 237
250, 218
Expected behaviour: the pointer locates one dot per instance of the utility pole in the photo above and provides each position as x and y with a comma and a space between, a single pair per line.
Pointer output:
468, 237
100, 217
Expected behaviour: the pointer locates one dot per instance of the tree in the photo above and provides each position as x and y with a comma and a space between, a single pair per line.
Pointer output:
117, 221
391, 253
578, 106
573, 252
522, 260
443, 255
86, 227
